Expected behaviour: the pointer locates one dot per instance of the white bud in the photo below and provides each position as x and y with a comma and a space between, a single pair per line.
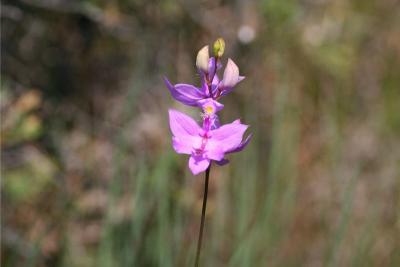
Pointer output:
202, 59
231, 74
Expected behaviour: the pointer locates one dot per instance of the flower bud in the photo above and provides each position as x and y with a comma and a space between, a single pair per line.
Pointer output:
202, 59
219, 47
231, 74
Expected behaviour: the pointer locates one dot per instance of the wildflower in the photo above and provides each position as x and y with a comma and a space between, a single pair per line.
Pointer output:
212, 141
204, 145
211, 85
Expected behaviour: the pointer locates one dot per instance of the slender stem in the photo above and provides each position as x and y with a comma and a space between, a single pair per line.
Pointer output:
203, 215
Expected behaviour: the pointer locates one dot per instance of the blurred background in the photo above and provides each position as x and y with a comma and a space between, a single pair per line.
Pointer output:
89, 177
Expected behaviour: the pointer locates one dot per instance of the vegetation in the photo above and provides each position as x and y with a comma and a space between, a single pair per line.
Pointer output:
89, 177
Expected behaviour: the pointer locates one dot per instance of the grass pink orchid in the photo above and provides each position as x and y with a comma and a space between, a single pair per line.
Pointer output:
211, 142
211, 85
204, 145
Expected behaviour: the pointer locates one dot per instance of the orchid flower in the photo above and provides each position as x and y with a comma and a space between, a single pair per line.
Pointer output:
211, 85
212, 141
204, 145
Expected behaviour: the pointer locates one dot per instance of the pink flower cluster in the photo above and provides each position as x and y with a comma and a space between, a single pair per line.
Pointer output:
212, 141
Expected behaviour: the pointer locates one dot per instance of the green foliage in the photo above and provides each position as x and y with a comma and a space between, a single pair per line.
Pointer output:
89, 177
31, 179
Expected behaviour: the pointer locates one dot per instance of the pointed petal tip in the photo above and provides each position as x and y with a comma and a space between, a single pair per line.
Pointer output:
169, 85
222, 162
248, 138
172, 111
242, 145
166, 80
230, 60
232, 63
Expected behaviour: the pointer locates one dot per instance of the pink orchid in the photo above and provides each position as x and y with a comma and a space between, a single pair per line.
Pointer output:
205, 145
211, 142
211, 85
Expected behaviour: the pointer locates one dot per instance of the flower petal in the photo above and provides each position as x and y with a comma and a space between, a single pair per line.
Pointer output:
185, 93
185, 145
210, 106
242, 145
183, 126
231, 75
228, 137
215, 153
202, 59
231, 78
212, 67
222, 162
215, 85
198, 164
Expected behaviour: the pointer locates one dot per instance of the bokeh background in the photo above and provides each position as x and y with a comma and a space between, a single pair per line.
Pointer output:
89, 177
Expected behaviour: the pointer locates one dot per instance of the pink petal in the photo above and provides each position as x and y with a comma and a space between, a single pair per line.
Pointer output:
185, 93
198, 164
227, 137
242, 145
215, 153
183, 126
185, 145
